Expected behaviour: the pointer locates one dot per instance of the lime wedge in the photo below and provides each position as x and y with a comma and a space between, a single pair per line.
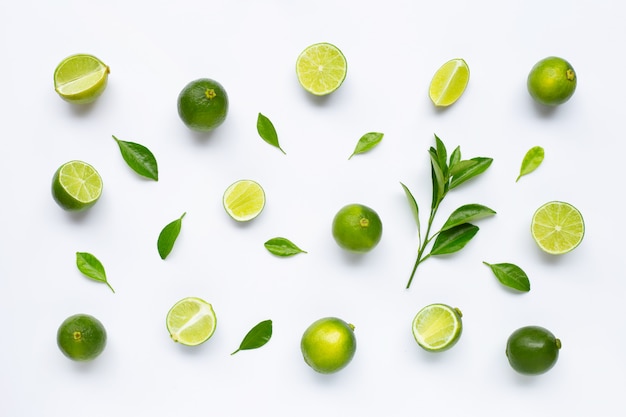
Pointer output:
191, 321
437, 327
76, 185
557, 227
321, 68
80, 78
449, 82
244, 200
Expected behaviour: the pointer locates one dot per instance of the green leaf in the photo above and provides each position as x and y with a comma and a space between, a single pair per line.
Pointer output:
453, 240
258, 336
461, 166
414, 208
481, 164
511, 276
281, 246
266, 130
442, 155
91, 267
367, 142
139, 158
168, 237
455, 158
466, 214
531, 161
439, 181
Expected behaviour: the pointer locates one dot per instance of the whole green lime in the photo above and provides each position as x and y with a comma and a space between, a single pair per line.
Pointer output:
532, 350
328, 345
203, 105
81, 337
357, 228
552, 81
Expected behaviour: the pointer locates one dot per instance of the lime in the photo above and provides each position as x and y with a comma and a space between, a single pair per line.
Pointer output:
244, 200
449, 82
557, 227
552, 81
81, 337
437, 327
357, 228
203, 105
532, 350
321, 68
76, 185
80, 78
191, 321
328, 345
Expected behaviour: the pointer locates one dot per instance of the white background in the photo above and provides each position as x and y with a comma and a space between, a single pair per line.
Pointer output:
393, 48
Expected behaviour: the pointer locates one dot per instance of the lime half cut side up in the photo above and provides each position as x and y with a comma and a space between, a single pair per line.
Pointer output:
437, 327
244, 200
557, 227
191, 321
81, 78
76, 185
449, 82
321, 68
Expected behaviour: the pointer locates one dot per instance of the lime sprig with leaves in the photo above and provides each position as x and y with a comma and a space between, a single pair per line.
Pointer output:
458, 230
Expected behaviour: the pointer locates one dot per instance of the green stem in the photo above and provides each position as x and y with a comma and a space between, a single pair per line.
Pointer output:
422, 247
109, 285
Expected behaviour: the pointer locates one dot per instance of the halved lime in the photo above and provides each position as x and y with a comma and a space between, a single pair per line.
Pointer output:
76, 185
191, 321
437, 327
557, 227
321, 68
80, 78
449, 82
244, 200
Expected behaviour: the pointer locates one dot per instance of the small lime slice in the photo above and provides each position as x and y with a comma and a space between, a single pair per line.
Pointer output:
437, 327
244, 200
449, 82
80, 78
321, 68
76, 185
191, 321
557, 227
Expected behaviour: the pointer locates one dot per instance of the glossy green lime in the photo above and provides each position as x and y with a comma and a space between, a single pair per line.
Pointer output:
81, 337
328, 345
203, 105
532, 350
357, 228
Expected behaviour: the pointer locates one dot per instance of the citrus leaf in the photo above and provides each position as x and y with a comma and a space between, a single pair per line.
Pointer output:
453, 240
531, 161
139, 158
91, 267
511, 276
479, 166
168, 237
413, 203
258, 336
367, 142
455, 158
442, 155
266, 130
281, 246
467, 213
439, 181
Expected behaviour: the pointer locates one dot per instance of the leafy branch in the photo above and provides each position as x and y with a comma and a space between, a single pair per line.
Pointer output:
457, 231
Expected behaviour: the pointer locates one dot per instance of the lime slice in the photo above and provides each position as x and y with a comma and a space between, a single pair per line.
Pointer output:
557, 227
76, 185
437, 327
449, 82
244, 200
321, 68
80, 78
191, 321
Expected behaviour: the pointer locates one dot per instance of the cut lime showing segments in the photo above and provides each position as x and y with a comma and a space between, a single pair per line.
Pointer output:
76, 185
191, 321
321, 68
437, 327
81, 78
449, 82
557, 227
244, 200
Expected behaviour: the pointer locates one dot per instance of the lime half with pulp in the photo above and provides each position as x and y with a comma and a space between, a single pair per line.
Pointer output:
76, 185
437, 327
191, 321
321, 68
81, 78
244, 200
557, 227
